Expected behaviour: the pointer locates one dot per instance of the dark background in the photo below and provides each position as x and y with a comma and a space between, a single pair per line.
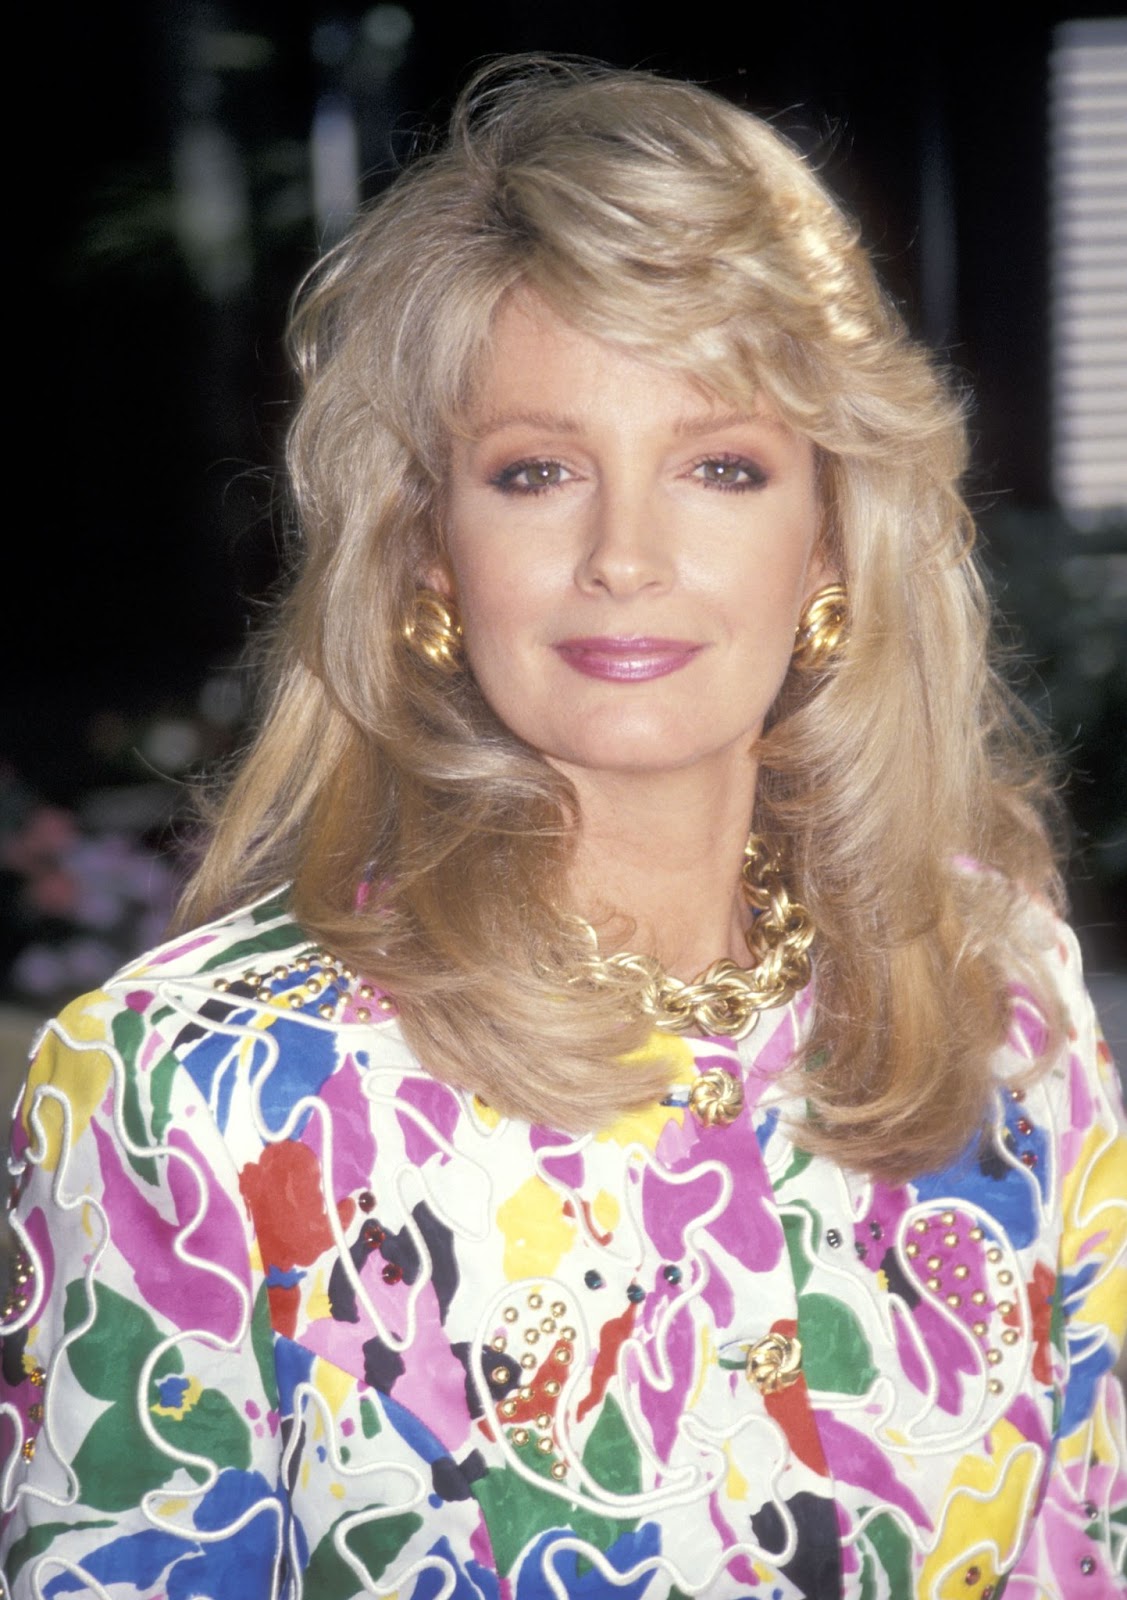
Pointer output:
155, 531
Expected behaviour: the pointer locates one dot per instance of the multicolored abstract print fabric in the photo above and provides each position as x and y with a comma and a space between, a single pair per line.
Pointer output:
290, 1318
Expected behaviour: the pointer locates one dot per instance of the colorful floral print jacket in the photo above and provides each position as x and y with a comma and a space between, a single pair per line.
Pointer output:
290, 1318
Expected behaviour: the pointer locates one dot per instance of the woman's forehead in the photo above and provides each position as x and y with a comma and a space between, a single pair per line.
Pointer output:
527, 336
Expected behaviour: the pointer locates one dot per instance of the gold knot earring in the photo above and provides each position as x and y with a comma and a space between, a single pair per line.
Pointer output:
433, 630
823, 628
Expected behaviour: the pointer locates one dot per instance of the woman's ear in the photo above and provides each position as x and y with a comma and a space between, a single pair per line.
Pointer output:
821, 572
437, 576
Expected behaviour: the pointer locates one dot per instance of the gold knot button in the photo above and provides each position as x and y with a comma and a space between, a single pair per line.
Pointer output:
774, 1362
716, 1097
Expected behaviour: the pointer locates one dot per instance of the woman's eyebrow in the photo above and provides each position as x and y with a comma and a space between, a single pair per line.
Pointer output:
547, 421
697, 422
716, 421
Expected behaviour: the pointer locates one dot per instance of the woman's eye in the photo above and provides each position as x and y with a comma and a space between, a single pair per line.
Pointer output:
530, 477
730, 472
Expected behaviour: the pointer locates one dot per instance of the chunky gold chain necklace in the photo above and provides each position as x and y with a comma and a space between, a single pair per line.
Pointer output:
727, 999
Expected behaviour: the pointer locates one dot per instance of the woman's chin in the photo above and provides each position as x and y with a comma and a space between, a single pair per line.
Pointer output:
653, 755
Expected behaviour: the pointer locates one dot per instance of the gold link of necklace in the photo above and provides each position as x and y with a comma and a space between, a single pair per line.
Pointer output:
725, 998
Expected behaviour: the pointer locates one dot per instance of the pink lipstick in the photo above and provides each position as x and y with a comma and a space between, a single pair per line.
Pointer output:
630, 660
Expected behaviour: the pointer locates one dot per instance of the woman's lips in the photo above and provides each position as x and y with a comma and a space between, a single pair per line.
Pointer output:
627, 660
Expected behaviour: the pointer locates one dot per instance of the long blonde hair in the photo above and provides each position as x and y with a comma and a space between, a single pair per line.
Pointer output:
656, 216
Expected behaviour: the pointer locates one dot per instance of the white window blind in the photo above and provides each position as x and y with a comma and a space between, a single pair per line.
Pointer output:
1088, 209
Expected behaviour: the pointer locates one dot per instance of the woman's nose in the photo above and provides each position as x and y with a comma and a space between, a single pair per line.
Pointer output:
626, 547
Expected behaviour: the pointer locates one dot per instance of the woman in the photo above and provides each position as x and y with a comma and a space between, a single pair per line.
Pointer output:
499, 1208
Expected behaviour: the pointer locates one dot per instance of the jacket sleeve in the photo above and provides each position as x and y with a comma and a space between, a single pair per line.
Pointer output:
139, 1430
1078, 1542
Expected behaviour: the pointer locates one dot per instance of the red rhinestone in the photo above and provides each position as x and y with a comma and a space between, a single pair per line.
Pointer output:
372, 1235
392, 1273
1024, 1125
1088, 1565
367, 1201
972, 1575
988, 1592
1028, 1159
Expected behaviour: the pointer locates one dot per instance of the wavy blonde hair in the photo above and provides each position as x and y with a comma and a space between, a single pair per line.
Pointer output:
656, 216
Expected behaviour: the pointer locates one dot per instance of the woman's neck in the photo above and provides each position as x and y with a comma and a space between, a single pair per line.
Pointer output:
657, 865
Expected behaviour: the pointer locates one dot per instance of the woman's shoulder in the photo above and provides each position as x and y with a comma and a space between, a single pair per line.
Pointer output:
246, 1013
1049, 999
240, 942
254, 958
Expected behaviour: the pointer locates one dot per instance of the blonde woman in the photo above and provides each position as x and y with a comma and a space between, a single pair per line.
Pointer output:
621, 1116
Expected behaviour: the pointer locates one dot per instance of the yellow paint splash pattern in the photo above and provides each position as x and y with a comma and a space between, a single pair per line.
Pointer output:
737, 1483
985, 1509
708, 1359
606, 1211
81, 1076
535, 1230
333, 1385
645, 1127
485, 1114
319, 1297
187, 1402
1094, 1201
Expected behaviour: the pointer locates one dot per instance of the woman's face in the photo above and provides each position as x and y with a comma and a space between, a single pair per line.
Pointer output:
629, 556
